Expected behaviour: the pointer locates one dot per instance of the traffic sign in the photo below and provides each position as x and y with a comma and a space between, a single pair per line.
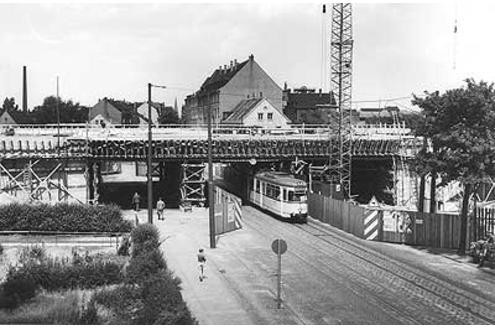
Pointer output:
279, 243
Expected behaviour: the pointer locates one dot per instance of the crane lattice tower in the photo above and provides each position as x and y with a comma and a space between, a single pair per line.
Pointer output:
341, 84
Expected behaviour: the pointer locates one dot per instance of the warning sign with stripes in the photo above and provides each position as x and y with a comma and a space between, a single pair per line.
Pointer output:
372, 224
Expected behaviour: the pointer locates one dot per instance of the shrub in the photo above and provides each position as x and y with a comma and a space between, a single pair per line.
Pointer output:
89, 315
151, 294
47, 308
155, 300
124, 247
62, 217
143, 265
145, 238
16, 290
57, 274
123, 302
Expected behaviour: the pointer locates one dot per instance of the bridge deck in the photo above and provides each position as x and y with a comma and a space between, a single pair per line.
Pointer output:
175, 143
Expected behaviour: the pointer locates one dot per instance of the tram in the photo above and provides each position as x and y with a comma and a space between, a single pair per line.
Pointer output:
281, 194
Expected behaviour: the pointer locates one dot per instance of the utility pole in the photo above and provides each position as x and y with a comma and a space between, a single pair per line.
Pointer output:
150, 162
211, 201
58, 141
58, 121
149, 156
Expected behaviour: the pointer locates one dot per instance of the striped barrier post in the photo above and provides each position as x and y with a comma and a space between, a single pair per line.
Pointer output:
372, 224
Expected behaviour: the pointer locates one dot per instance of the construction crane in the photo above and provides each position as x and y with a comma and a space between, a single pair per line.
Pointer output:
338, 169
341, 47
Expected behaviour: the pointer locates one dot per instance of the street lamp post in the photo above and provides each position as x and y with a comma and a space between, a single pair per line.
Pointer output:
211, 201
149, 157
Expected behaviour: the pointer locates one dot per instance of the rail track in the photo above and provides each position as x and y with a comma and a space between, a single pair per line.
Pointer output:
415, 296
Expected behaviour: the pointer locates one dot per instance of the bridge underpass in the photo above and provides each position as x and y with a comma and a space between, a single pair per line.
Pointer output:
179, 157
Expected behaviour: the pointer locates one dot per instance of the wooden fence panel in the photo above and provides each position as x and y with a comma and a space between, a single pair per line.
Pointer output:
337, 213
436, 230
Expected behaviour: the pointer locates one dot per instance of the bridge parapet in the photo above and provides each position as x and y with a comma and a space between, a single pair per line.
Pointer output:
183, 130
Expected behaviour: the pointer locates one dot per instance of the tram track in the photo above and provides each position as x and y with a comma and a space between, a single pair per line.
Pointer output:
456, 295
412, 298
339, 275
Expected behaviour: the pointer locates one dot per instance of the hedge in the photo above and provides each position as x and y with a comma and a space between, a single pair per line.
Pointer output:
62, 217
150, 293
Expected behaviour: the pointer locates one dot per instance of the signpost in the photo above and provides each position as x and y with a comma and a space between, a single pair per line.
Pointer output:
279, 247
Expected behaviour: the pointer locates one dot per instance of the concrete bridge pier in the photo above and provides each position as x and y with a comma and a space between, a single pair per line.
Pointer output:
406, 185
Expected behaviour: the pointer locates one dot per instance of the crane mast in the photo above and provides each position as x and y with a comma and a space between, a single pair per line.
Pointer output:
341, 85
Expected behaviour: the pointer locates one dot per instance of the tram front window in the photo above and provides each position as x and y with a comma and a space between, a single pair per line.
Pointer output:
297, 197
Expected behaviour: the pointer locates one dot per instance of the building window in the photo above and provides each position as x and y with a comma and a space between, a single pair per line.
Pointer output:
260, 116
270, 116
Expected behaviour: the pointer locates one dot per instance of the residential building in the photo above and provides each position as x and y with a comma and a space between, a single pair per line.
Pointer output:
257, 112
226, 87
109, 111
142, 112
7, 118
305, 105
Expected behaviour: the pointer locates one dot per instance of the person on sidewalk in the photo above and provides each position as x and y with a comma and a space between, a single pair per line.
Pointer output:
160, 206
136, 199
201, 264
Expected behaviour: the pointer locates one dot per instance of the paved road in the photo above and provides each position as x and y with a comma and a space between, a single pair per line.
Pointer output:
329, 277
333, 278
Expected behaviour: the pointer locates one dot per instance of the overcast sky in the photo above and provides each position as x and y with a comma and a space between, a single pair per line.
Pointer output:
115, 49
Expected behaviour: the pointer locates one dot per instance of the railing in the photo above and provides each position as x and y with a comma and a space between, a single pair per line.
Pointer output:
380, 131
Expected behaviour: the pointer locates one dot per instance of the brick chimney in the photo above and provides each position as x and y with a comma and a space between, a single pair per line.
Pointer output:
24, 89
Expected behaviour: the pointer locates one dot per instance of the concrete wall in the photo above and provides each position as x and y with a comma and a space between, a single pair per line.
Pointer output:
250, 80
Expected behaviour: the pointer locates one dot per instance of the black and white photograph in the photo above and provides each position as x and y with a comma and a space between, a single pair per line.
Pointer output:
247, 163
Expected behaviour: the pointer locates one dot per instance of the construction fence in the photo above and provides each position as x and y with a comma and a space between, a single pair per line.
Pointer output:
386, 224
228, 211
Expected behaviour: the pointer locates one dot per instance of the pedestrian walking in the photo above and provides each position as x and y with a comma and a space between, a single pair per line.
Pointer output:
160, 206
136, 199
201, 264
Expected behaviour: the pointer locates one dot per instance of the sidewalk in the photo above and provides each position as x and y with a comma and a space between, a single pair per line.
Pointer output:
211, 301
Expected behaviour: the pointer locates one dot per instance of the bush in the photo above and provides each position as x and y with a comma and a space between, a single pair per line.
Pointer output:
124, 247
145, 238
62, 217
89, 315
155, 300
143, 265
16, 290
48, 308
151, 294
84, 272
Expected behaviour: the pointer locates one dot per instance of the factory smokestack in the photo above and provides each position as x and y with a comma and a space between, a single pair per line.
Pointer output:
24, 89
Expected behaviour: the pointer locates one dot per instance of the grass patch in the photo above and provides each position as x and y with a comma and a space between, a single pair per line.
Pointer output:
55, 308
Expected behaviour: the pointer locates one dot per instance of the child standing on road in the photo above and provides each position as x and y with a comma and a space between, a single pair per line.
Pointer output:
201, 264
160, 206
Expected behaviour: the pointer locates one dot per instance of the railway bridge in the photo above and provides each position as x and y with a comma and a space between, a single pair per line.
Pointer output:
182, 150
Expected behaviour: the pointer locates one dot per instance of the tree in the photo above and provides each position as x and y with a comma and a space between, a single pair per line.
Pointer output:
459, 127
10, 105
70, 112
168, 115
